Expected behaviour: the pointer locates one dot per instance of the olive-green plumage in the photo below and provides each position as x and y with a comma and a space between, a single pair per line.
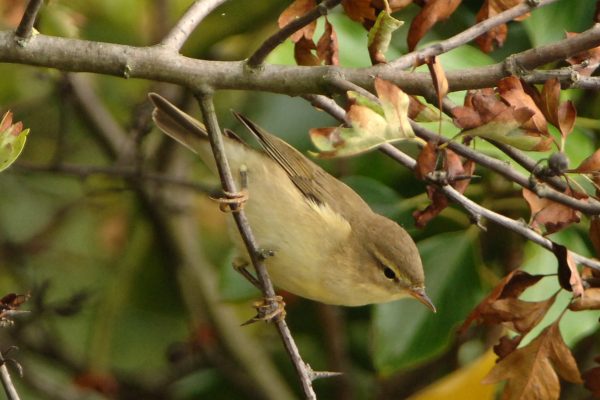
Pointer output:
328, 244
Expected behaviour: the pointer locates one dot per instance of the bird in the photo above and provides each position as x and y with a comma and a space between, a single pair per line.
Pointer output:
327, 244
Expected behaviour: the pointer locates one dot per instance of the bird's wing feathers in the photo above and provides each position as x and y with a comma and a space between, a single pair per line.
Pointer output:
306, 176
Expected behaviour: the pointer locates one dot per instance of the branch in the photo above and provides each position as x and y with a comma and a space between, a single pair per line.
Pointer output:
178, 35
416, 57
5, 379
276, 39
216, 142
160, 64
25, 28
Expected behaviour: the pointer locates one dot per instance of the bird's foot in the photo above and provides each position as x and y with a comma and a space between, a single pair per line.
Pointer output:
268, 309
232, 202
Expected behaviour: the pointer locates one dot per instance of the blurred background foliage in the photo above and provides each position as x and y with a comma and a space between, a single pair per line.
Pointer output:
111, 314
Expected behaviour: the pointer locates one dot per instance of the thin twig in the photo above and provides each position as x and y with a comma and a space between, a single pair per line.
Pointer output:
25, 28
276, 39
84, 171
178, 35
415, 57
216, 141
5, 379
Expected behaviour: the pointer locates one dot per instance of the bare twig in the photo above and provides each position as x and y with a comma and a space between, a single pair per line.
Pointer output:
25, 28
124, 172
415, 57
216, 140
178, 35
5, 379
276, 39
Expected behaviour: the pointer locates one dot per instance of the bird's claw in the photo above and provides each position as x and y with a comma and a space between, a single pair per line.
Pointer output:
268, 309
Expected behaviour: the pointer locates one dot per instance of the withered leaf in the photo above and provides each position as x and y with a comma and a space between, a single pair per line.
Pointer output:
594, 234
511, 286
372, 123
426, 161
433, 12
359, 10
590, 300
517, 315
591, 165
457, 173
496, 36
327, 46
591, 379
549, 214
532, 371
303, 52
12, 140
420, 112
380, 36
585, 62
295, 10
507, 345
511, 90
438, 76
568, 274
561, 115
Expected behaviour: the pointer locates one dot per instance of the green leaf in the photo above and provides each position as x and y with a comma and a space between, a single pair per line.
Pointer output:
405, 332
12, 140
380, 36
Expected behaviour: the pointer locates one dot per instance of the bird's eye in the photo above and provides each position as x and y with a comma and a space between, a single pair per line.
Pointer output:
389, 273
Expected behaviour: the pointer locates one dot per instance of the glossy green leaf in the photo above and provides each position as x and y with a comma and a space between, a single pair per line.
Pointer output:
405, 333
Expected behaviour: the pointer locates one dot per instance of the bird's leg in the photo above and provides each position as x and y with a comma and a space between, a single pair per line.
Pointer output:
268, 309
241, 266
234, 202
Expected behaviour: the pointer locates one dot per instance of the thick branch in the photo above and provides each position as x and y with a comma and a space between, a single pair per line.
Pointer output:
176, 38
276, 39
160, 64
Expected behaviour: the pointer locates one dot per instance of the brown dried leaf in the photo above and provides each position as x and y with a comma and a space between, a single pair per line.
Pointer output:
420, 112
495, 37
359, 10
303, 52
511, 286
585, 62
568, 274
595, 234
438, 203
506, 346
549, 214
327, 46
517, 315
591, 379
589, 301
438, 76
295, 10
433, 12
511, 90
590, 165
532, 371
561, 115
426, 161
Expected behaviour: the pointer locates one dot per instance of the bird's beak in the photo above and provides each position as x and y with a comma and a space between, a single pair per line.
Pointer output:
419, 294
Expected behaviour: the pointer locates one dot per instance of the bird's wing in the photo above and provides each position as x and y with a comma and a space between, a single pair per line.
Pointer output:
305, 175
